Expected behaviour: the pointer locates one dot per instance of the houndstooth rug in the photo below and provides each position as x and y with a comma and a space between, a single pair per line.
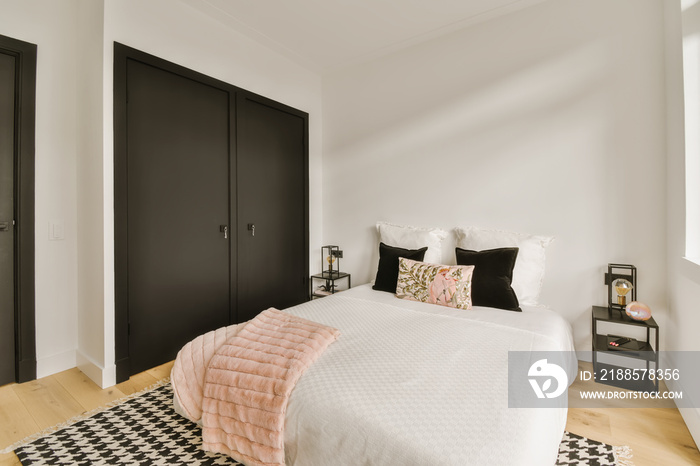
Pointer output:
577, 450
145, 430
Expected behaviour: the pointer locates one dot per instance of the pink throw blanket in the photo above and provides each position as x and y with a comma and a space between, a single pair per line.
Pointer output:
238, 379
189, 370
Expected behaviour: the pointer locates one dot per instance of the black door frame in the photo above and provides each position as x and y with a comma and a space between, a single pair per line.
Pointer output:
122, 54
25, 113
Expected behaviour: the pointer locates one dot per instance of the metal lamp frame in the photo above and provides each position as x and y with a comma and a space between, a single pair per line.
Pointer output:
615, 271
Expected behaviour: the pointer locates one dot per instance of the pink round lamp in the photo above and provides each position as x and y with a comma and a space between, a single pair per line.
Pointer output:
638, 311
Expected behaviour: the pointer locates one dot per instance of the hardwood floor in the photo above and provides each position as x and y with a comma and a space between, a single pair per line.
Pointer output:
656, 434
31, 407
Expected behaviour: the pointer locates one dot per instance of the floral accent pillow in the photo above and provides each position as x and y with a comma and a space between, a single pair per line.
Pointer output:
446, 285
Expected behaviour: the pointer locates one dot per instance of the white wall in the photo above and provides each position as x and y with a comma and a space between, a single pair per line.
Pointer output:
682, 320
74, 147
91, 289
548, 121
52, 26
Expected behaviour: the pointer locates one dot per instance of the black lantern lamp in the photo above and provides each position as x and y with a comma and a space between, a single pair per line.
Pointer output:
330, 260
622, 285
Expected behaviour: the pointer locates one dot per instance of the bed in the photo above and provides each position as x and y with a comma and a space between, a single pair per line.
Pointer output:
414, 383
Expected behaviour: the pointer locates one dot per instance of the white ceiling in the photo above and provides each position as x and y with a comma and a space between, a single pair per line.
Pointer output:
323, 35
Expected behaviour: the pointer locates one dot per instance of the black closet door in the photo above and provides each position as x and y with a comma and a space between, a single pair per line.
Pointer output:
177, 204
7, 215
273, 196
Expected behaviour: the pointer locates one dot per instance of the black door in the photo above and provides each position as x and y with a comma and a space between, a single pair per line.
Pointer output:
177, 212
17, 110
7, 240
272, 197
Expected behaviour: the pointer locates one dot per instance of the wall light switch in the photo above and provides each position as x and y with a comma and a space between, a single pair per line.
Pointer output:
56, 230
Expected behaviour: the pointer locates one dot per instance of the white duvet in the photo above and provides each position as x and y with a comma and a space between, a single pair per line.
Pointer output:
409, 383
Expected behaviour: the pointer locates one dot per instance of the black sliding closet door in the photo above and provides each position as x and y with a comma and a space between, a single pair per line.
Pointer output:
178, 200
273, 196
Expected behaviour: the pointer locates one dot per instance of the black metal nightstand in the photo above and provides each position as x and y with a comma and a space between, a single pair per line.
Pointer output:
329, 287
645, 352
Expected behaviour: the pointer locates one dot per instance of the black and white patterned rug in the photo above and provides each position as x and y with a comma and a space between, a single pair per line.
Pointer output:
577, 450
145, 430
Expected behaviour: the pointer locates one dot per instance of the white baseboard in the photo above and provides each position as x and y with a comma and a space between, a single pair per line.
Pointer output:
102, 376
54, 364
691, 416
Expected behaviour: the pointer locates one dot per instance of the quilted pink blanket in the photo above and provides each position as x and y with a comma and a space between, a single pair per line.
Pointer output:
238, 380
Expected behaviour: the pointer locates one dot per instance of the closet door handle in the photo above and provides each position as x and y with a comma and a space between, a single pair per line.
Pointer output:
4, 226
251, 228
224, 229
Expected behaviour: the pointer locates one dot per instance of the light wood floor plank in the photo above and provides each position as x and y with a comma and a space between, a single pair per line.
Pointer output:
665, 441
136, 383
9, 459
48, 402
590, 423
15, 419
656, 434
85, 391
141, 381
162, 371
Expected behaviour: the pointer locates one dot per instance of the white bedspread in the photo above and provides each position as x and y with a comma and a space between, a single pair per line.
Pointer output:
409, 383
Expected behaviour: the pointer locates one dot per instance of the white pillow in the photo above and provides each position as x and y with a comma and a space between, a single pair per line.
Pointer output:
409, 237
529, 265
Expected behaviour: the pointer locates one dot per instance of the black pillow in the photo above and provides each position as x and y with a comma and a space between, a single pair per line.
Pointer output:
388, 270
493, 274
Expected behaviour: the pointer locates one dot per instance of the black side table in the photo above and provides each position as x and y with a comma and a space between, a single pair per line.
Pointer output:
329, 287
646, 352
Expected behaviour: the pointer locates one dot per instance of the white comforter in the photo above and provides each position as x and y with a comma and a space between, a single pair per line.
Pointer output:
409, 383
